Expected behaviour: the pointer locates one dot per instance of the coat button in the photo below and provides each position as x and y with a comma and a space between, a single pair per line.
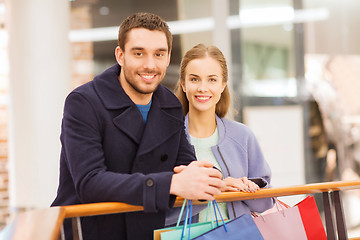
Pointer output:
164, 157
149, 182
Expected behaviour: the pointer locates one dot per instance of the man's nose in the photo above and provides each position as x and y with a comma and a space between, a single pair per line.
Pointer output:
149, 63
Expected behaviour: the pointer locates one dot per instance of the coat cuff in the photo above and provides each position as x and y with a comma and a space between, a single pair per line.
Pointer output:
156, 192
262, 183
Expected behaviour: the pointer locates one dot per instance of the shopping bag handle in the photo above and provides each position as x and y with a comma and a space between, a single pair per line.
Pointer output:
217, 222
181, 212
278, 203
188, 214
188, 211
208, 208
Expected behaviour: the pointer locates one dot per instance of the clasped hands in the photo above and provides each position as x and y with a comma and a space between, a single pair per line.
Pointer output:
199, 180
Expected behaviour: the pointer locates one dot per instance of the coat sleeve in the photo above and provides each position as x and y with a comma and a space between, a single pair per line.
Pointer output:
186, 155
259, 172
186, 152
93, 182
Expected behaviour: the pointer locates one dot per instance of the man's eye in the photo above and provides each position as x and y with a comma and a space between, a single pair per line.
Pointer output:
138, 54
159, 54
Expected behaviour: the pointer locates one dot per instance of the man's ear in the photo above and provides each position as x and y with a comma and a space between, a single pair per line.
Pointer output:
169, 56
119, 55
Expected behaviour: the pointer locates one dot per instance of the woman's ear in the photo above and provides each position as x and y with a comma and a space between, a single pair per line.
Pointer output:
183, 86
224, 86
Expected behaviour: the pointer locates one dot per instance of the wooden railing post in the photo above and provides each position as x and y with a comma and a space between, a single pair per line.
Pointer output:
76, 227
340, 221
329, 218
62, 233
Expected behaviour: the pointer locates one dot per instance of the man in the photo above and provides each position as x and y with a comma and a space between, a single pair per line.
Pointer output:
123, 134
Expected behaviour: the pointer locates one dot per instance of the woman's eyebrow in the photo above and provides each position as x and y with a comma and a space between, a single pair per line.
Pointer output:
191, 74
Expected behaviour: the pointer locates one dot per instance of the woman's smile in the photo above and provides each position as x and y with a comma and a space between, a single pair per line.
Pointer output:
203, 99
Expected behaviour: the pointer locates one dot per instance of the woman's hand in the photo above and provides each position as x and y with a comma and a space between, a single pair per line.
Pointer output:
240, 184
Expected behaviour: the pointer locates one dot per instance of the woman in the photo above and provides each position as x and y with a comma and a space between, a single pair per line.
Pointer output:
231, 146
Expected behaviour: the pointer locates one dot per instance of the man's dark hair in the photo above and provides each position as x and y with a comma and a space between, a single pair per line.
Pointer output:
149, 21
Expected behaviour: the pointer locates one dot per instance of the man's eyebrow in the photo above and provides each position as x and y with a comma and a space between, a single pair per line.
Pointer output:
141, 48
136, 48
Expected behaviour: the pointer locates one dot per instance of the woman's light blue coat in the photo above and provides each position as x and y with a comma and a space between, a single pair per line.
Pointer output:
239, 155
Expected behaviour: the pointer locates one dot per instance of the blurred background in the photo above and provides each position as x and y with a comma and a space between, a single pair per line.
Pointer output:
294, 74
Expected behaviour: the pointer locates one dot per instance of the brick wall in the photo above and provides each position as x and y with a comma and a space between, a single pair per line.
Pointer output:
82, 52
4, 176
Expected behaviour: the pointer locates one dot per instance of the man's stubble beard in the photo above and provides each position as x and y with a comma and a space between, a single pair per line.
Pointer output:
136, 88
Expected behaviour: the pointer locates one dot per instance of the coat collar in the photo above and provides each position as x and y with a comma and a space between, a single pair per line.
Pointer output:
160, 124
109, 90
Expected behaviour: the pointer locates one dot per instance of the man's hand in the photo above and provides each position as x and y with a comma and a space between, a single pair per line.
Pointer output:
198, 180
240, 184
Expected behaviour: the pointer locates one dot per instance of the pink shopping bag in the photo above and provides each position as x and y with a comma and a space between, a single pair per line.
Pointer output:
299, 222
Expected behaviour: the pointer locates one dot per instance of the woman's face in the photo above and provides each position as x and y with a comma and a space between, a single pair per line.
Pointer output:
203, 84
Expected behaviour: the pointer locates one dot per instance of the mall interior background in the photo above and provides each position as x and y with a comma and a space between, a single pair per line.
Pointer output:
294, 65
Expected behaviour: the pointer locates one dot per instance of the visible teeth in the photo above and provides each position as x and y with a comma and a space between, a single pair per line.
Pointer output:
147, 76
203, 98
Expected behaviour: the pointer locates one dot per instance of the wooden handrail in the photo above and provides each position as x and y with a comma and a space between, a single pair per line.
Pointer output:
45, 224
117, 207
40, 224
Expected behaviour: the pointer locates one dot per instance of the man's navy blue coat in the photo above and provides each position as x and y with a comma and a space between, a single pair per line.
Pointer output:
109, 154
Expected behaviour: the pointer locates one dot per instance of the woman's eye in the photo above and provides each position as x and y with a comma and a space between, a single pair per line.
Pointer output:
212, 80
193, 79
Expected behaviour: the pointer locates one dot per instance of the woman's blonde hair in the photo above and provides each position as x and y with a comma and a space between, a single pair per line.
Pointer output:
197, 52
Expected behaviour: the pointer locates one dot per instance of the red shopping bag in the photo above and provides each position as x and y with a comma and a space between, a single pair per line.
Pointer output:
311, 219
299, 222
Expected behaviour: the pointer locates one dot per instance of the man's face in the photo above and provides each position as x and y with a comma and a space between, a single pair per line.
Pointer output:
143, 62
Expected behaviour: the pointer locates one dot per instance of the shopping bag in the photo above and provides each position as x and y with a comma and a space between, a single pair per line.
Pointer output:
311, 219
299, 222
172, 233
179, 231
280, 225
239, 228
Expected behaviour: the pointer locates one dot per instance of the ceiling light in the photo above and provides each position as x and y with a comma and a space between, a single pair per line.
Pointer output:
247, 18
104, 11
2, 8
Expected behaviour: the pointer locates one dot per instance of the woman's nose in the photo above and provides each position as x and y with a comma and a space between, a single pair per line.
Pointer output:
202, 86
